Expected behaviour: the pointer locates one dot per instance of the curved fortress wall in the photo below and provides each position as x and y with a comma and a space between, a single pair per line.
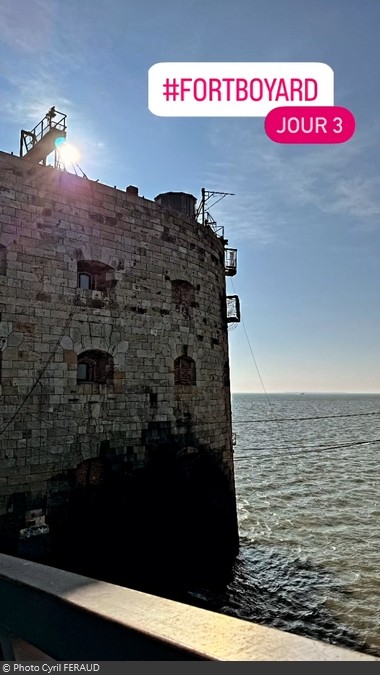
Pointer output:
114, 397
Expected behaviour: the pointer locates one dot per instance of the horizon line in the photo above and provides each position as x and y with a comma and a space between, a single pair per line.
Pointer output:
299, 392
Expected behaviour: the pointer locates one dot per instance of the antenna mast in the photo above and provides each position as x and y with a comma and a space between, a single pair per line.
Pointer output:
203, 212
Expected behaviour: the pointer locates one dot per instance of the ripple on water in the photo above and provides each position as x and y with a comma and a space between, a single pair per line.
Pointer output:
308, 520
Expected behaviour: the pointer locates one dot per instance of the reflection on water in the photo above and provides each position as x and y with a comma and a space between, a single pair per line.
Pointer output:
284, 593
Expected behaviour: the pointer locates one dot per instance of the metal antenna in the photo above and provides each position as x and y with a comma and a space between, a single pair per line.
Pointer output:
203, 213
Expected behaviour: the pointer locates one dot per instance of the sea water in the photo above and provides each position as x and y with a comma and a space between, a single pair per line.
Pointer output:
308, 499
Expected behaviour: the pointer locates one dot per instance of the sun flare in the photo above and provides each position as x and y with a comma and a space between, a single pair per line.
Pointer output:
68, 153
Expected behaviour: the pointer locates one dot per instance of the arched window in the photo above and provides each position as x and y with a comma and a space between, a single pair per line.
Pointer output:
184, 370
95, 366
3, 260
95, 276
182, 292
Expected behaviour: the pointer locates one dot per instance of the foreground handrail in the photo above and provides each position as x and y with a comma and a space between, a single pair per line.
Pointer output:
72, 617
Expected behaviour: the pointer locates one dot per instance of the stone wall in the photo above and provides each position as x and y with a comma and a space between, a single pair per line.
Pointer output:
139, 435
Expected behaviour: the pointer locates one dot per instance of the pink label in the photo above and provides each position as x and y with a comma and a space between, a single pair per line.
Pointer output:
311, 124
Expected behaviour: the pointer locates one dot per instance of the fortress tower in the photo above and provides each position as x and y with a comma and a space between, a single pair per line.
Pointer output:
115, 418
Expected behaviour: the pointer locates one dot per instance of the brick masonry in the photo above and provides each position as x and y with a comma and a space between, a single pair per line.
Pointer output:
60, 438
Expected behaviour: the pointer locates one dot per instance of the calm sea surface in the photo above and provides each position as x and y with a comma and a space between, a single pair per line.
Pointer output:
309, 517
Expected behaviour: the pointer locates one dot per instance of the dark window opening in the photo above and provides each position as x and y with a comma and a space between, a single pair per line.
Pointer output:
184, 371
153, 400
3, 260
182, 292
95, 276
104, 449
95, 366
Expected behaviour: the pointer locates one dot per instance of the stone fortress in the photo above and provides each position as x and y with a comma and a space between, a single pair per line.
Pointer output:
116, 453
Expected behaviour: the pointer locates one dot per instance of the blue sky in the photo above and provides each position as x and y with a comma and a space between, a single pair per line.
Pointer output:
305, 219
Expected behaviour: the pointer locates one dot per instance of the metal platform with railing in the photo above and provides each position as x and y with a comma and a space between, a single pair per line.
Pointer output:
36, 145
233, 309
230, 261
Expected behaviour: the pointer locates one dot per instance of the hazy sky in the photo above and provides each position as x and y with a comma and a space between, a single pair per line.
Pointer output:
305, 219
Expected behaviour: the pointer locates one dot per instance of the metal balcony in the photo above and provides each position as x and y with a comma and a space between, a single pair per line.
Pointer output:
233, 309
37, 144
230, 261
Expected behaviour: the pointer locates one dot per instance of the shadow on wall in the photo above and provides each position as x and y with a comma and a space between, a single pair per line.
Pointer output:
160, 528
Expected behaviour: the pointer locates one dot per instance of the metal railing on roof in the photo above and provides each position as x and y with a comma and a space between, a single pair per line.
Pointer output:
53, 120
